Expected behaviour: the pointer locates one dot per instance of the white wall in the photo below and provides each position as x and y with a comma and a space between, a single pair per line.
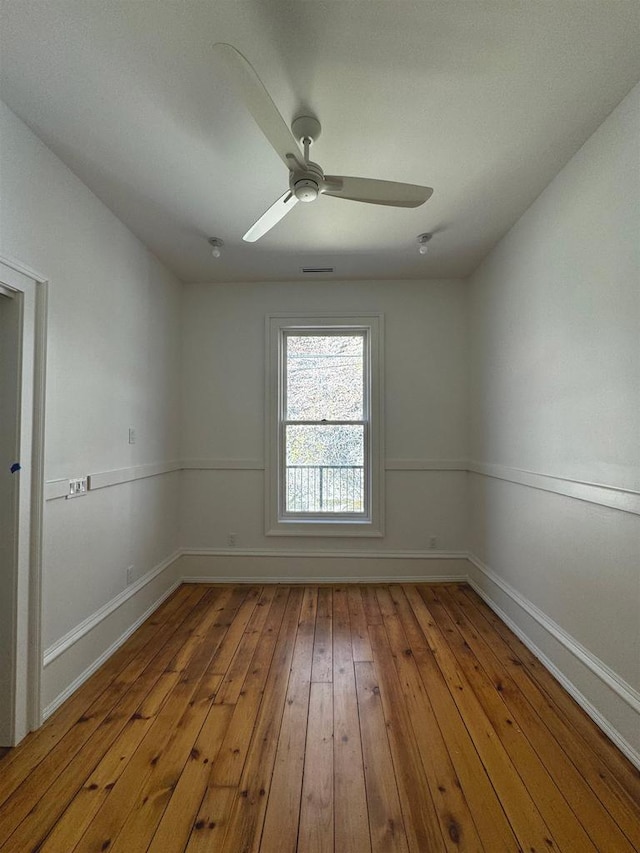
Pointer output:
112, 362
555, 390
425, 411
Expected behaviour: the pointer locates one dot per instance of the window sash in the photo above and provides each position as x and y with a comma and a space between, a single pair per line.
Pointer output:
342, 332
366, 474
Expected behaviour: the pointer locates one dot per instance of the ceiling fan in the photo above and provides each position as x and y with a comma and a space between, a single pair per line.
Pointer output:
306, 179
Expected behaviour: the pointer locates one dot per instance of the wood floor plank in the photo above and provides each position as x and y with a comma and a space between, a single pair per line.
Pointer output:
181, 814
359, 634
102, 779
486, 809
245, 821
385, 601
562, 821
351, 819
194, 658
616, 769
229, 645
152, 797
237, 720
316, 807
227, 770
61, 771
421, 820
234, 677
449, 807
322, 669
20, 762
386, 823
573, 761
520, 807
71, 824
282, 815
372, 612
602, 829
212, 822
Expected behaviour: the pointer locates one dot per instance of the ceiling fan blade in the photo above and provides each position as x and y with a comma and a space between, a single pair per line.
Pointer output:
258, 101
372, 191
271, 217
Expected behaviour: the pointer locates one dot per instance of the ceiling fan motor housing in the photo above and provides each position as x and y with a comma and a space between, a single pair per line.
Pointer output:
305, 189
306, 185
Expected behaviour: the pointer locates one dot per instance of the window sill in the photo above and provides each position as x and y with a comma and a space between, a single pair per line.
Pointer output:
349, 529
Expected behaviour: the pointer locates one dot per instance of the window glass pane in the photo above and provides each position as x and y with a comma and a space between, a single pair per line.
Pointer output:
324, 469
325, 377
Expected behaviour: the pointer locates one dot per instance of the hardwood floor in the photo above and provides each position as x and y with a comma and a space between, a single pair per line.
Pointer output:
320, 718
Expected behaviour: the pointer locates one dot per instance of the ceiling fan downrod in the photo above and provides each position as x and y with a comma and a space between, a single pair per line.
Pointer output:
307, 184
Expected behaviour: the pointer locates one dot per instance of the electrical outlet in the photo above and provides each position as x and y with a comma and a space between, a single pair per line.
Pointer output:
433, 542
77, 487
232, 539
132, 435
130, 574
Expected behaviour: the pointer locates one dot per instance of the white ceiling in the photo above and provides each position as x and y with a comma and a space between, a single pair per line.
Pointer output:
483, 101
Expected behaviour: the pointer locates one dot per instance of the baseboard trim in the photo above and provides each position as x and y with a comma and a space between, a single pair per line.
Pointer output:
325, 579
213, 565
323, 555
625, 691
97, 663
83, 628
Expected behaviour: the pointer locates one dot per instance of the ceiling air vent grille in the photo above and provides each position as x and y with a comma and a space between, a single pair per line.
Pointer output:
315, 270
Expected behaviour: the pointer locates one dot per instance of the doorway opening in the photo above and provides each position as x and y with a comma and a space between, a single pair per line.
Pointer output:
22, 383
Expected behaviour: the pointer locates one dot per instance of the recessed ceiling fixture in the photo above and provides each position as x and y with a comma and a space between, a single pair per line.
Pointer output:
423, 243
308, 270
216, 246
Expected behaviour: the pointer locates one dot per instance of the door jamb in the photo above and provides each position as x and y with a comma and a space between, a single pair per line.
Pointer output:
31, 716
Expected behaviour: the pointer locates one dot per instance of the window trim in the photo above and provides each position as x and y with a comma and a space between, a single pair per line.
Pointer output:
276, 524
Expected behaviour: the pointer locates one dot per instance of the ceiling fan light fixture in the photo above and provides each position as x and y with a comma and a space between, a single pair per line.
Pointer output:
423, 243
216, 247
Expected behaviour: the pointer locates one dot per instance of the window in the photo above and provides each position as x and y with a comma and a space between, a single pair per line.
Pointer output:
324, 426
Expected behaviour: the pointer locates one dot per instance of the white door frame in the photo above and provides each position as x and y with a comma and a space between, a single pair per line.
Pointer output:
27, 605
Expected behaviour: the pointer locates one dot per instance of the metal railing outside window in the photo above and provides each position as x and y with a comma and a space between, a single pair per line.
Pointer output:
325, 488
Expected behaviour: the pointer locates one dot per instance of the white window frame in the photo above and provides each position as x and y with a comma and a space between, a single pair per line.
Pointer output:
277, 521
